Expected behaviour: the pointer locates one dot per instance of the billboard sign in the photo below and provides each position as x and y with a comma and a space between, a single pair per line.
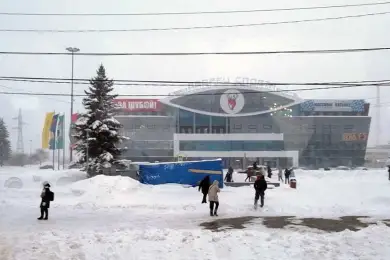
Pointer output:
139, 105
355, 137
329, 105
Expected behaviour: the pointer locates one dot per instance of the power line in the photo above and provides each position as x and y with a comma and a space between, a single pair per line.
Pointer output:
197, 12
131, 82
179, 95
54, 99
192, 27
319, 51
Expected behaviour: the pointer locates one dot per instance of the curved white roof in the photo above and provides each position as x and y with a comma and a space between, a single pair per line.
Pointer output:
199, 89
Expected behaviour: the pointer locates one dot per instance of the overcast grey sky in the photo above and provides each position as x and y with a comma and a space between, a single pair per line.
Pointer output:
350, 33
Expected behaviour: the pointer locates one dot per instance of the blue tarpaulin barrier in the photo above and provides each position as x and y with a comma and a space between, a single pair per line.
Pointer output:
190, 172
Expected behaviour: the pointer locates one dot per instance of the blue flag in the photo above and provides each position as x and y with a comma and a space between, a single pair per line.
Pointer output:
53, 129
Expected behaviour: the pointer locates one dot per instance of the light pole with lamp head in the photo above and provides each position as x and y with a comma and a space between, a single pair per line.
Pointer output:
72, 50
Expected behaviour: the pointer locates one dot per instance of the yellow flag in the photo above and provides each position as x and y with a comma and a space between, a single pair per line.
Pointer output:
46, 130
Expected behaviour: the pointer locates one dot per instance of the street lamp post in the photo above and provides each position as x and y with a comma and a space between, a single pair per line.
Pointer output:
72, 50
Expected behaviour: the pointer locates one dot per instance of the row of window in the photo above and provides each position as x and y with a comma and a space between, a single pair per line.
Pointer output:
249, 128
231, 145
309, 149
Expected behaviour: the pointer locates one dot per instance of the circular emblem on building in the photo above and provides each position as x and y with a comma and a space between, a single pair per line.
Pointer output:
232, 101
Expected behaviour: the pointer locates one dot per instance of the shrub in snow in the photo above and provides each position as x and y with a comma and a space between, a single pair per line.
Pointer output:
5, 144
97, 130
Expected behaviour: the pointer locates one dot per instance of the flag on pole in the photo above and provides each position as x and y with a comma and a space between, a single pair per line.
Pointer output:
46, 130
60, 132
53, 129
72, 130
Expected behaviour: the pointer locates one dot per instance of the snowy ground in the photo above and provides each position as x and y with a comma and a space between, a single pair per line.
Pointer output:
118, 218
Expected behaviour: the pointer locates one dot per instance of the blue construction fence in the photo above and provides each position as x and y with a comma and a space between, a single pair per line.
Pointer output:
187, 172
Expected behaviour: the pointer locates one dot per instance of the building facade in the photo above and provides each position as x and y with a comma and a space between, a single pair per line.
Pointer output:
244, 124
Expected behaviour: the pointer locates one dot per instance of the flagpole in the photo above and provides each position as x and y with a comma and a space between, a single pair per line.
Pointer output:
54, 148
63, 144
59, 155
60, 120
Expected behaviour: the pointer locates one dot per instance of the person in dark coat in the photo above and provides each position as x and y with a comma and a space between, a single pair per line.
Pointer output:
269, 171
388, 170
255, 166
229, 175
287, 173
205, 185
260, 187
46, 196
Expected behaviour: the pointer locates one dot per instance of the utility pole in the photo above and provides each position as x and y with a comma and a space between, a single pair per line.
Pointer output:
19, 128
72, 50
378, 114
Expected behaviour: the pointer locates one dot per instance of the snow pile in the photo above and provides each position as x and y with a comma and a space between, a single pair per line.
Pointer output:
105, 191
13, 183
103, 186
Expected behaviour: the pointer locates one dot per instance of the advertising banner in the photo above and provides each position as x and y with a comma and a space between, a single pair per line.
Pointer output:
139, 105
327, 105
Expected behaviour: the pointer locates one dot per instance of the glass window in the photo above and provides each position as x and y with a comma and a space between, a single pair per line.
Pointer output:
202, 120
202, 123
186, 118
218, 124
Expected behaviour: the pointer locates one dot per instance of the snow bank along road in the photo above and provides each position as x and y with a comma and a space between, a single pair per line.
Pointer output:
118, 218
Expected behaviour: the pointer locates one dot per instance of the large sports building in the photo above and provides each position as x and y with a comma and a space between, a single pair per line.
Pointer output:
241, 124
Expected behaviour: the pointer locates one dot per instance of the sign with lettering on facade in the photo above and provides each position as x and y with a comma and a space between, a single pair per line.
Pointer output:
139, 105
355, 137
328, 105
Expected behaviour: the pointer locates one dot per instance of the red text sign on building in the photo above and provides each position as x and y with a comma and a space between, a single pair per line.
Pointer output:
139, 105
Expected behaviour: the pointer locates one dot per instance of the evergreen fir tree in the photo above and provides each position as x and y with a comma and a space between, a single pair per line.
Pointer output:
97, 130
5, 144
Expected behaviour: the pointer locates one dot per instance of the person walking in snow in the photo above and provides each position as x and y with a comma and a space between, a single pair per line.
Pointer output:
287, 173
269, 171
388, 170
229, 175
213, 198
249, 173
280, 175
46, 197
260, 187
204, 185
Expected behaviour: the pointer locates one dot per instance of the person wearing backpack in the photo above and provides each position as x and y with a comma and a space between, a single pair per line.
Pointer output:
47, 196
